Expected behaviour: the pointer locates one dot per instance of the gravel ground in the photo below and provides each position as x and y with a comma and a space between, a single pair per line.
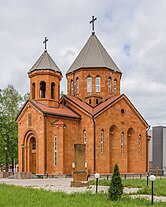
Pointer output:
63, 184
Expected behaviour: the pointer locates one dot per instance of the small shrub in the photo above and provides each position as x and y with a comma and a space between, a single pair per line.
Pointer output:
115, 190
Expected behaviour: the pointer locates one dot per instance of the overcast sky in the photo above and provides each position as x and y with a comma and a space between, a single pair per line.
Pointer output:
132, 31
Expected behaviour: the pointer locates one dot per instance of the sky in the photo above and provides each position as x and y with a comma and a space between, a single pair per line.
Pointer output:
132, 32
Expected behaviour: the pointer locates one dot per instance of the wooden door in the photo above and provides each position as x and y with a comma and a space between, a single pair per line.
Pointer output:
34, 162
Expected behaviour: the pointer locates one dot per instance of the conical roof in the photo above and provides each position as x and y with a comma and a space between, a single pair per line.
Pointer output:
45, 62
93, 55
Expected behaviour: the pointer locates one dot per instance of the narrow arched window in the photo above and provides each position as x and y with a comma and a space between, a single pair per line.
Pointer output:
109, 85
102, 141
122, 143
77, 85
33, 143
33, 90
89, 84
42, 89
72, 88
139, 145
97, 84
115, 87
29, 120
52, 90
55, 150
84, 136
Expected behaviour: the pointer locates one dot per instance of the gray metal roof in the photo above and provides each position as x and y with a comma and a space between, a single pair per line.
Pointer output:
93, 55
45, 62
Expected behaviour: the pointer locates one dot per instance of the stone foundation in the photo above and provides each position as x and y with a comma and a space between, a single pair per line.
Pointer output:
80, 179
4, 174
80, 184
23, 175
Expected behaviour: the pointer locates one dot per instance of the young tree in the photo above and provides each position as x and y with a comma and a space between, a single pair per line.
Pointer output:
115, 190
10, 103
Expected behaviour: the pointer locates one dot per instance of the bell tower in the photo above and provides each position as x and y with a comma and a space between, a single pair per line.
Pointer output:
45, 77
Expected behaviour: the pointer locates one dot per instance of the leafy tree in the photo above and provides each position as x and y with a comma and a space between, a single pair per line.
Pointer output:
25, 98
115, 190
10, 105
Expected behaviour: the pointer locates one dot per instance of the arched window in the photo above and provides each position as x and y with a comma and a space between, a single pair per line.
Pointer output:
97, 101
102, 141
109, 85
89, 84
52, 90
77, 85
33, 90
42, 89
139, 145
115, 85
72, 88
97, 84
90, 101
55, 150
84, 136
122, 143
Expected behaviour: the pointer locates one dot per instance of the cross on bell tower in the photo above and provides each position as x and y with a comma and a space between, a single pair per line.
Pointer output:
93, 24
45, 43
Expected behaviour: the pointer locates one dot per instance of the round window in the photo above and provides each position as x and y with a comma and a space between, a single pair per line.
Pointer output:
122, 111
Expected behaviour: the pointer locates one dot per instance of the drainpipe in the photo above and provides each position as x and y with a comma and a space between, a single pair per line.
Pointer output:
45, 144
147, 156
94, 137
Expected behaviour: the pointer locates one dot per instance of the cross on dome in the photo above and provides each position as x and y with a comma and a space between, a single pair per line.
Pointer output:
93, 24
45, 43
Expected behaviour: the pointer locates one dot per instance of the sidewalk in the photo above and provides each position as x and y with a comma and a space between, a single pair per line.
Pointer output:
58, 184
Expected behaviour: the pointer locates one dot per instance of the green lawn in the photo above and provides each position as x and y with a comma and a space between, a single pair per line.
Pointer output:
159, 185
20, 196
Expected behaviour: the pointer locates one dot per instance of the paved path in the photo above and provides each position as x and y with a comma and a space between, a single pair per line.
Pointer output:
63, 184
58, 184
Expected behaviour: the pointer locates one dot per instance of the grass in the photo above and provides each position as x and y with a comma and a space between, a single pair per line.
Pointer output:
14, 196
159, 185
130, 183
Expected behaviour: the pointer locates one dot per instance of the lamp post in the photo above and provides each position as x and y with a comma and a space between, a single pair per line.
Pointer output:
22, 146
152, 179
6, 162
97, 175
147, 179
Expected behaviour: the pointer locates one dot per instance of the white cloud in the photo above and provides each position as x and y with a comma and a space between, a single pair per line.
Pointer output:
133, 32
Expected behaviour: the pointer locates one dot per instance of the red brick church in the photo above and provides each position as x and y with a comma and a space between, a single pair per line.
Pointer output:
93, 112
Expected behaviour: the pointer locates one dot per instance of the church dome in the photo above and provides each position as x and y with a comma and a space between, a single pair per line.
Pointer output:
45, 62
93, 55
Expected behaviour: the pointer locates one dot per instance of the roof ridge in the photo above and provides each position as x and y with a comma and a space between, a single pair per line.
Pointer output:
48, 58
39, 60
90, 40
99, 49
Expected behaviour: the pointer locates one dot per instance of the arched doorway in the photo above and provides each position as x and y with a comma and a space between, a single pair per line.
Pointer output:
33, 155
112, 146
130, 149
